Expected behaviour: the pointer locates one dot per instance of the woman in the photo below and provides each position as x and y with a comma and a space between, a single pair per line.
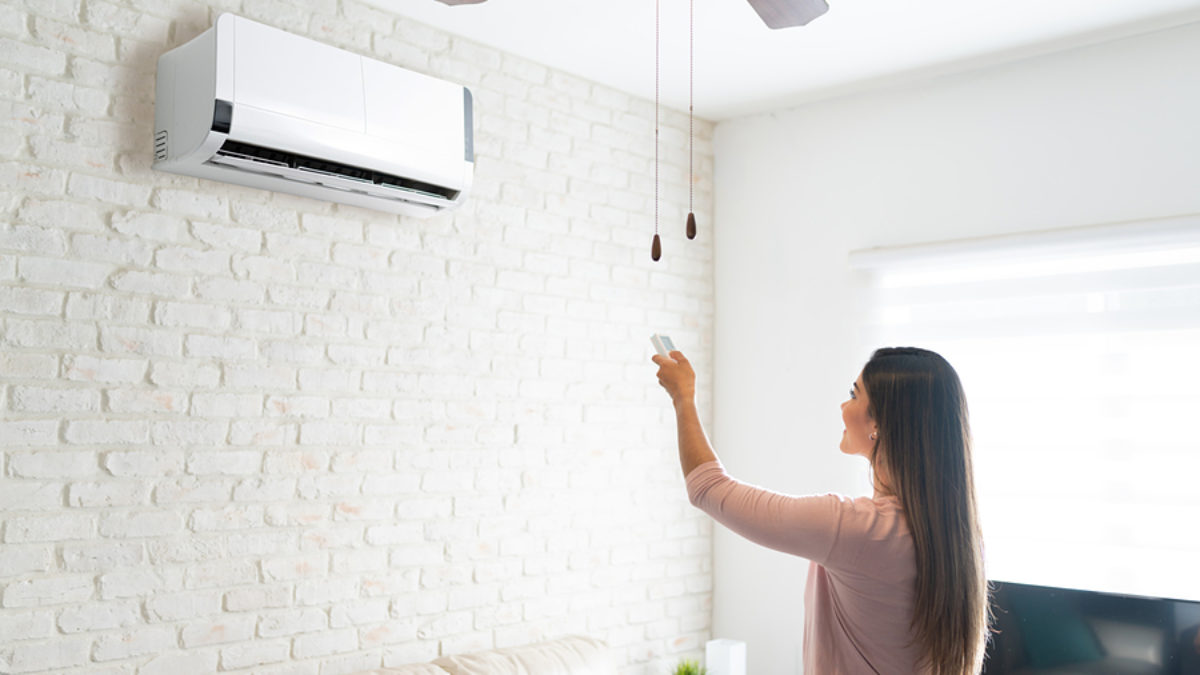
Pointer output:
896, 583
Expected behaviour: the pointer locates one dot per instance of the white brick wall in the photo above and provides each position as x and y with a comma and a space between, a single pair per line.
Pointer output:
242, 431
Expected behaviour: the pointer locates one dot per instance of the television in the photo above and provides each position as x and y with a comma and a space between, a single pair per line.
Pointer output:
1060, 631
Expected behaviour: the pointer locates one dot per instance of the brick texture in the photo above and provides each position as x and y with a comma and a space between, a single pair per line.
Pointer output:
248, 432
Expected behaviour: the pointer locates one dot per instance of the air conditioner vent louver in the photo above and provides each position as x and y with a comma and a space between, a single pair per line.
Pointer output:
290, 160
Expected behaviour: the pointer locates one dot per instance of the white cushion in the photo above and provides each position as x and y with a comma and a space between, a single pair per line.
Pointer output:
412, 669
572, 655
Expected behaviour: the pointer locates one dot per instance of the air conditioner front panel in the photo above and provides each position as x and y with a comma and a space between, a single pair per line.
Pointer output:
398, 100
293, 76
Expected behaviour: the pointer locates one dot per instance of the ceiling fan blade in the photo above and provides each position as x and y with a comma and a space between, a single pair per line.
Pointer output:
460, 2
788, 13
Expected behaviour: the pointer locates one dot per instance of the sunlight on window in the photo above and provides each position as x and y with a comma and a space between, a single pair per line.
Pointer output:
1082, 378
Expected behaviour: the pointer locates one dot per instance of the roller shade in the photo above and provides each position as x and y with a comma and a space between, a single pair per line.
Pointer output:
1080, 353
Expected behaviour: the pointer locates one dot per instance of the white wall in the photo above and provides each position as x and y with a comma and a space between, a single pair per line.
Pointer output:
1102, 134
240, 430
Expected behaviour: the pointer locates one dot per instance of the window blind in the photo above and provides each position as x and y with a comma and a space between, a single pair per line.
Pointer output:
1080, 354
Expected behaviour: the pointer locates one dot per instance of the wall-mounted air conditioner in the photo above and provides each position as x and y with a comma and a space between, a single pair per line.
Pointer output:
252, 105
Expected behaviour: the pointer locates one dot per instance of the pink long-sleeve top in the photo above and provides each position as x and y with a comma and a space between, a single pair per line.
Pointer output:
859, 596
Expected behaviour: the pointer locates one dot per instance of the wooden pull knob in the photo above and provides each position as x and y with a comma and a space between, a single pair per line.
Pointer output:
691, 226
656, 249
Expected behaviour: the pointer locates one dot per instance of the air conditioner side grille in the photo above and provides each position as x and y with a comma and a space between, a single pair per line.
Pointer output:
160, 145
279, 158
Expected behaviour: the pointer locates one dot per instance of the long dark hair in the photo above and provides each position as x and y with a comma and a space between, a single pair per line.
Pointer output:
924, 453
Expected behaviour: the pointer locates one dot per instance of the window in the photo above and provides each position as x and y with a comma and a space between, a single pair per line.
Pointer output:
1080, 354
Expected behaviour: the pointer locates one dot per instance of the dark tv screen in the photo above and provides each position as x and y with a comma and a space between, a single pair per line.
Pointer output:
1058, 631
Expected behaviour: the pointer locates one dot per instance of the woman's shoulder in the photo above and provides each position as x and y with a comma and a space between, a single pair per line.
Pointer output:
863, 504
875, 518
874, 541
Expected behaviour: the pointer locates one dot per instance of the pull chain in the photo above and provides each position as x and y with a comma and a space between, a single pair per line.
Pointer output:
656, 244
691, 219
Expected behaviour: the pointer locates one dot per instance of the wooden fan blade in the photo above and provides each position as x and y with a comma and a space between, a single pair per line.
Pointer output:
787, 13
460, 2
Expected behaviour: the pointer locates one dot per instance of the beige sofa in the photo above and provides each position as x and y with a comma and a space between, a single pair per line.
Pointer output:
572, 655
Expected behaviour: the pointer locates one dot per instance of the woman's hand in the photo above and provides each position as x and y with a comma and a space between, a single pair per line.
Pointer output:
676, 375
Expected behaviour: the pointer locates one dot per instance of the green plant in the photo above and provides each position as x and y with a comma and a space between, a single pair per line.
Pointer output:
689, 668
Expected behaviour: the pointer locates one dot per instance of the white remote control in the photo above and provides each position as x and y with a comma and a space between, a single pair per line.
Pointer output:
663, 344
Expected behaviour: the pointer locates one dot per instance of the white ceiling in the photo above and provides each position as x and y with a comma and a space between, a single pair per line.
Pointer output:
742, 67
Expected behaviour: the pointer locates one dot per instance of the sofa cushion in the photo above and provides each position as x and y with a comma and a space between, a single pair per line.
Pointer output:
412, 669
572, 655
